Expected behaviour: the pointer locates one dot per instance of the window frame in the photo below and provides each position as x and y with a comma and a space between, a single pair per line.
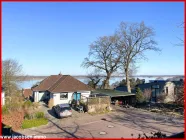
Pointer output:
167, 90
63, 93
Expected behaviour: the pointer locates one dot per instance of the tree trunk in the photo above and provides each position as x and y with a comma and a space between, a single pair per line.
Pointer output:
127, 80
106, 82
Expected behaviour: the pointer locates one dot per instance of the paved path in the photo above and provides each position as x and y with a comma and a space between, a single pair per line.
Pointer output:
120, 123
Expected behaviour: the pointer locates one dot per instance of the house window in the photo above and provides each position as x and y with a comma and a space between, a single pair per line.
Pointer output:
63, 96
167, 90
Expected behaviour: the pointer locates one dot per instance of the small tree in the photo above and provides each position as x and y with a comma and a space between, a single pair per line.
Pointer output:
139, 95
11, 76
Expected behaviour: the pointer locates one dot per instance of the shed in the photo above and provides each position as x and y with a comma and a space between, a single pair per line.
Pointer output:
125, 97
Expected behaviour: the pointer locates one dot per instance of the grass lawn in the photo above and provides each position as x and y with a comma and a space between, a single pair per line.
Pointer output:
34, 123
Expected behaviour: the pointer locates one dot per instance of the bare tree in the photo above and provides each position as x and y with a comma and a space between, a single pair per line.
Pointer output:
94, 78
104, 56
179, 95
181, 40
12, 71
134, 40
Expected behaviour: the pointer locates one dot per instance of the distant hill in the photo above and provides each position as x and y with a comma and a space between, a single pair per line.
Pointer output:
159, 77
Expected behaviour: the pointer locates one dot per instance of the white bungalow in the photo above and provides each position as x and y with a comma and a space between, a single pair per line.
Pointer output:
62, 88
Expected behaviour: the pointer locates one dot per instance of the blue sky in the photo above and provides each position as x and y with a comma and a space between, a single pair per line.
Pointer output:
47, 38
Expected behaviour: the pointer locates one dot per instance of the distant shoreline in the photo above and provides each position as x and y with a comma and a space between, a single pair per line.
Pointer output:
29, 77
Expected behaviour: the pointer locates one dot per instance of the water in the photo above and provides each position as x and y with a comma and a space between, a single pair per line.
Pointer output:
29, 84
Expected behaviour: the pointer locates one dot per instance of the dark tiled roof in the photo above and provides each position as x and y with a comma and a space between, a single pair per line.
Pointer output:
124, 88
112, 93
69, 84
27, 92
47, 83
61, 83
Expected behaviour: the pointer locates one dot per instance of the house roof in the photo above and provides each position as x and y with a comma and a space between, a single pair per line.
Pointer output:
112, 93
27, 92
47, 83
149, 85
61, 83
124, 88
178, 83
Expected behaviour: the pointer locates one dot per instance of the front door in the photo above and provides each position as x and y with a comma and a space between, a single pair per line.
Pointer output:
77, 96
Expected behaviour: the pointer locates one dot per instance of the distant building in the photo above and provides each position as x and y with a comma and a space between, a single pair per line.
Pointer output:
27, 93
157, 87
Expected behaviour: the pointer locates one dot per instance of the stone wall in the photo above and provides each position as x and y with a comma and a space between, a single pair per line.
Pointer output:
98, 104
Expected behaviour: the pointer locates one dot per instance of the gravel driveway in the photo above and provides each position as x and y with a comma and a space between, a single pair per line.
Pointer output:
117, 124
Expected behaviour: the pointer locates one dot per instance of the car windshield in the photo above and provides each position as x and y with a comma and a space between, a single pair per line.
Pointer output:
65, 108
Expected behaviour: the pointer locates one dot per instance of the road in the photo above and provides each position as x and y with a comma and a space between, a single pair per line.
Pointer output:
126, 123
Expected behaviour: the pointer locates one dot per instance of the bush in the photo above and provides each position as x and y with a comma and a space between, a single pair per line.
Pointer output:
153, 135
13, 119
27, 104
35, 105
5, 109
39, 115
139, 96
28, 116
34, 123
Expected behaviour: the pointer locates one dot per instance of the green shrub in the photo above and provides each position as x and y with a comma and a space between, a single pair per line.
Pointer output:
27, 104
5, 109
35, 105
28, 116
139, 96
34, 123
39, 115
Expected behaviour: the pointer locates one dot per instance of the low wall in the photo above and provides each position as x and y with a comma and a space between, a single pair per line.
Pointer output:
98, 104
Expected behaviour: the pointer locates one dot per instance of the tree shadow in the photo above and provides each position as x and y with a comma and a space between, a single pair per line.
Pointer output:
73, 131
141, 121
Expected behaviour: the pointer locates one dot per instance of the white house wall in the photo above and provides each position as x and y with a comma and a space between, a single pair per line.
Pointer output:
35, 94
57, 100
170, 96
39, 95
84, 94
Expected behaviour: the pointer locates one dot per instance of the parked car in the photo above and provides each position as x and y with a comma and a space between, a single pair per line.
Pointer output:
62, 110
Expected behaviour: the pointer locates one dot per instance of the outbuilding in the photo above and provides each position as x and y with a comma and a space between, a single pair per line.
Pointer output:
125, 97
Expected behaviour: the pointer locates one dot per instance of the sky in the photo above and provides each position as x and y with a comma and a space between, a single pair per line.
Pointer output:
48, 38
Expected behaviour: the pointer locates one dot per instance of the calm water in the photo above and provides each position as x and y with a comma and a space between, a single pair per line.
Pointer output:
29, 84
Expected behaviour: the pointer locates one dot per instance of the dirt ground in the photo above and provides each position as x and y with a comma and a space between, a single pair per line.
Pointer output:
126, 123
